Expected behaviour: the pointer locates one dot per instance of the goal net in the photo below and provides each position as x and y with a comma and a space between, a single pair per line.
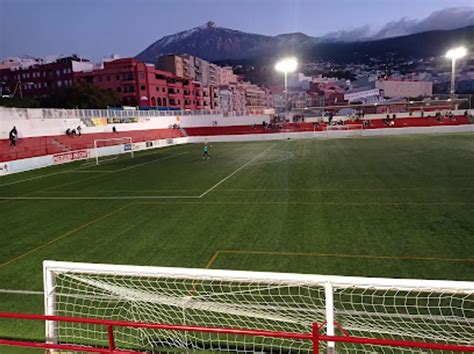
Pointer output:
353, 129
111, 148
410, 310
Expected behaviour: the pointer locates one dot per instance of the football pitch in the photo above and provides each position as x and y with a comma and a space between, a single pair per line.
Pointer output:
382, 207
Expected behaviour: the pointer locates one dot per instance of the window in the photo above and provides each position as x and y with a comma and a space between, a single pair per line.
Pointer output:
163, 89
142, 87
119, 89
58, 72
141, 76
131, 89
64, 71
117, 77
60, 83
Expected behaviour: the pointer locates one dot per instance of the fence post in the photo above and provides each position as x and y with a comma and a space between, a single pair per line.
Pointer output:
110, 332
315, 338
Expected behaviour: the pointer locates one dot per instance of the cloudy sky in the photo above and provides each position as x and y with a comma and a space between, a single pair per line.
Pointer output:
96, 28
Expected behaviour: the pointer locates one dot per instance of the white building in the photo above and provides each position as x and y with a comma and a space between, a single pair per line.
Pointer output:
24, 62
363, 94
401, 88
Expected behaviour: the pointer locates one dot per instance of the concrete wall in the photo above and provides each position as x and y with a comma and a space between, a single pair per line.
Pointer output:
39, 122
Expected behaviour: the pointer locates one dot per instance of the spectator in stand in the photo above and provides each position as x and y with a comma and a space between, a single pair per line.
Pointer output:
68, 132
79, 130
114, 130
13, 136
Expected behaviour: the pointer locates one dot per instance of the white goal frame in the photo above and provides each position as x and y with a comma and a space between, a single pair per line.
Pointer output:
331, 285
345, 130
122, 141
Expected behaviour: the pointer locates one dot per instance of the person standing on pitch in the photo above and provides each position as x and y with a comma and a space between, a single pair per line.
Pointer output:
205, 152
13, 136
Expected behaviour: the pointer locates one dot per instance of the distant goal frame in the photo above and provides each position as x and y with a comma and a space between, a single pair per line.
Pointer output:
126, 142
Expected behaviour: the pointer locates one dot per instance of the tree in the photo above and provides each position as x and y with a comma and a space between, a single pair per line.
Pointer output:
82, 96
25, 102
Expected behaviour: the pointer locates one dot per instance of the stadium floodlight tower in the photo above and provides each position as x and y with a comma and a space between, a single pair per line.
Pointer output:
286, 65
455, 54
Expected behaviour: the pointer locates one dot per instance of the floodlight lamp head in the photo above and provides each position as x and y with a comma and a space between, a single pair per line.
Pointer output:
456, 53
286, 65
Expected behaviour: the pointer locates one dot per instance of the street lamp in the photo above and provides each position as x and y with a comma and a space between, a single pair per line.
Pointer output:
285, 66
454, 54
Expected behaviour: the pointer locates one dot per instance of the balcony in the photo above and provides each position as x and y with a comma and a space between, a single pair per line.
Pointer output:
174, 84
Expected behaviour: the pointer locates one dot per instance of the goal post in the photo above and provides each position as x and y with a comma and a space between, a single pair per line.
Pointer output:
111, 147
352, 129
426, 311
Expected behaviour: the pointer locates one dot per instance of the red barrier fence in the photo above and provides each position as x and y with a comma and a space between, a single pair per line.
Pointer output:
315, 337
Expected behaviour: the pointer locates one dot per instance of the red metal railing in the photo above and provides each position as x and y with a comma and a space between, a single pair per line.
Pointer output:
315, 337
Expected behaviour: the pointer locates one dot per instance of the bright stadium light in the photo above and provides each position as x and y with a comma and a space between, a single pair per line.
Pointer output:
454, 54
285, 66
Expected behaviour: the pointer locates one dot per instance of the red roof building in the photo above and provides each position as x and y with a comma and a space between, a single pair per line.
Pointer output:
139, 84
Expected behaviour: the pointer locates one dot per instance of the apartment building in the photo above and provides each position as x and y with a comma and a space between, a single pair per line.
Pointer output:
139, 84
40, 79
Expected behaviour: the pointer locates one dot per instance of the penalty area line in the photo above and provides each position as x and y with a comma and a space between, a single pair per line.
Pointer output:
125, 197
21, 292
237, 170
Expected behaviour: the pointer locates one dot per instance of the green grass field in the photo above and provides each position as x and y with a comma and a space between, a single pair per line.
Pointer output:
385, 207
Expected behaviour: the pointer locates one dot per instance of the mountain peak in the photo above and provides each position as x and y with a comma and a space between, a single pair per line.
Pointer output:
209, 24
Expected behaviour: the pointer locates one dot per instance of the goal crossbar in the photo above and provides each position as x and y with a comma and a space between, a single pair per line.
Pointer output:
264, 277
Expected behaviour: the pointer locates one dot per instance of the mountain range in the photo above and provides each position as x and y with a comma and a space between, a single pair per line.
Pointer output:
402, 39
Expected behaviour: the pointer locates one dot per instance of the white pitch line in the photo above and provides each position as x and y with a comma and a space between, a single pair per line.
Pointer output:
85, 171
237, 170
125, 197
21, 292
149, 162
82, 167
33, 178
